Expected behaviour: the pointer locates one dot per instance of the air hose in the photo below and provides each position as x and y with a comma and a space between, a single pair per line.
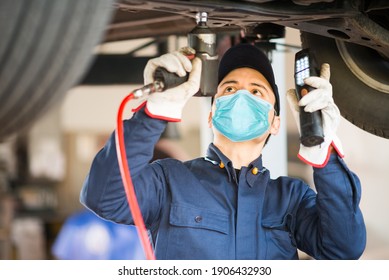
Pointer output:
127, 182
162, 81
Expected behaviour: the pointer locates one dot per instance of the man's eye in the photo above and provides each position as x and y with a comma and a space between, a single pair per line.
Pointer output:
256, 92
229, 89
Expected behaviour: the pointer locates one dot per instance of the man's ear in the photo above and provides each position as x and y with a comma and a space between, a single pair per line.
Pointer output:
275, 126
210, 119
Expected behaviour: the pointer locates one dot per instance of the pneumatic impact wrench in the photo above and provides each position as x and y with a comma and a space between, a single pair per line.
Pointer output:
203, 40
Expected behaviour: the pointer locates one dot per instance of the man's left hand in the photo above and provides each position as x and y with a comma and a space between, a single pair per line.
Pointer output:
318, 99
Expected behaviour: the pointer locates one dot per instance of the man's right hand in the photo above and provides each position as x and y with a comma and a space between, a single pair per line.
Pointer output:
168, 105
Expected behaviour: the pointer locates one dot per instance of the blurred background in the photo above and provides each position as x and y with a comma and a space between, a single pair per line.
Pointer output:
42, 169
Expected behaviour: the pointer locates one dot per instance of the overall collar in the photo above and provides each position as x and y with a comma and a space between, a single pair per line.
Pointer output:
254, 169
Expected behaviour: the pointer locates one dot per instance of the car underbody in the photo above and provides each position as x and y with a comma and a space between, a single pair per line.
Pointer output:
47, 46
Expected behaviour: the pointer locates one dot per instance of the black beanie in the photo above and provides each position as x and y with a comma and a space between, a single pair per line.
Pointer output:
246, 55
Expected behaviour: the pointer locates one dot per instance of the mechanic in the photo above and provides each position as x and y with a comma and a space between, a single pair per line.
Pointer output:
224, 205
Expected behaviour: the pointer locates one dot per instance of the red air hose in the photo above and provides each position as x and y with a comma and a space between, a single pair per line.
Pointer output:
127, 182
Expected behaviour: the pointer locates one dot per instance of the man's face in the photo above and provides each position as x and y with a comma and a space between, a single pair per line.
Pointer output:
249, 79
253, 81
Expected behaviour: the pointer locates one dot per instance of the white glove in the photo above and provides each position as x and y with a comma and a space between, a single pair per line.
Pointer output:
168, 105
318, 99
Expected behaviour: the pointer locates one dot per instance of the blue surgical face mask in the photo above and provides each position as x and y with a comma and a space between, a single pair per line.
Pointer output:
241, 116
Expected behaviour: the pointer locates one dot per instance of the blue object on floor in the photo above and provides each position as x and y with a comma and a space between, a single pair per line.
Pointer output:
85, 236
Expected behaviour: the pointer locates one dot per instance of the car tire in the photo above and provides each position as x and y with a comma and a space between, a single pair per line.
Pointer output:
360, 81
46, 47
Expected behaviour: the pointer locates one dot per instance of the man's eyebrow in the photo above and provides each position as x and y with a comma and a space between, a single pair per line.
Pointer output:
229, 82
258, 85
236, 82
